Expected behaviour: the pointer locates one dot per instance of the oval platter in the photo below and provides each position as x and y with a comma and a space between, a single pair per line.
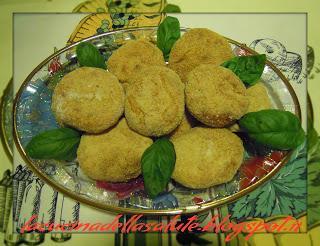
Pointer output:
32, 115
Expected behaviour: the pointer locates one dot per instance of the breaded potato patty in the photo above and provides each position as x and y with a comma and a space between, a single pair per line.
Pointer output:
89, 99
258, 98
206, 157
154, 104
185, 125
215, 95
198, 46
131, 57
114, 155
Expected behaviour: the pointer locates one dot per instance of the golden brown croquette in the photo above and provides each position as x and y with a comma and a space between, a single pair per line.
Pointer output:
258, 98
198, 46
131, 57
206, 157
215, 95
114, 155
89, 99
186, 124
154, 104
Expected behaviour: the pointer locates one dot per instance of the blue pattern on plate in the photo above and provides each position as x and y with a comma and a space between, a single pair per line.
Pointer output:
34, 113
164, 201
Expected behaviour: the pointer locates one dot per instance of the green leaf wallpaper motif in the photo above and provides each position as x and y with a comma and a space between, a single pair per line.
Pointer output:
313, 177
284, 194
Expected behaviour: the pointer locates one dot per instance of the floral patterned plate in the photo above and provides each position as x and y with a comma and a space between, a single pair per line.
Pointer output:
32, 115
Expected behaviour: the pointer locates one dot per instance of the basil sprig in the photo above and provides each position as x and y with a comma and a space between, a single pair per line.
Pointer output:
89, 56
171, 8
58, 144
274, 128
168, 33
248, 68
157, 166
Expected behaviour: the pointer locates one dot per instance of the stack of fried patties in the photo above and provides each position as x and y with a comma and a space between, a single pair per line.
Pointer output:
192, 100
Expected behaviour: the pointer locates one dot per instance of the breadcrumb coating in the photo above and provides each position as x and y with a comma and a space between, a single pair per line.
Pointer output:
215, 95
89, 99
154, 104
258, 98
114, 155
206, 157
198, 46
186, 124
131, 57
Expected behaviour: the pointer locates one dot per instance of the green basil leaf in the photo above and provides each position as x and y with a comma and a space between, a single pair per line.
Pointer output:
157, 166
59, 144
248, 68
89, 56
168, 33
171, 8
274, 128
